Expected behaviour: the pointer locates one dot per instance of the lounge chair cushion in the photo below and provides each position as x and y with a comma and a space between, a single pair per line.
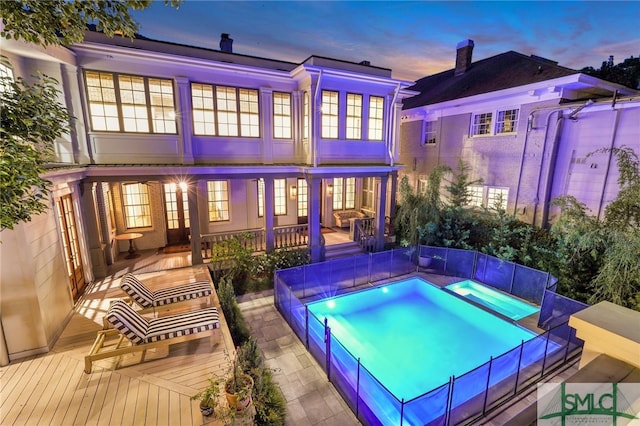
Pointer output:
146, 298
140, 330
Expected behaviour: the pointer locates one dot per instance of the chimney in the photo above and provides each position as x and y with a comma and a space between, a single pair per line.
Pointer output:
463, 56
226, 43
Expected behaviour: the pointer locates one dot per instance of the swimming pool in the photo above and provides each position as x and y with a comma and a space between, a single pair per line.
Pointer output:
506, 305
412, 336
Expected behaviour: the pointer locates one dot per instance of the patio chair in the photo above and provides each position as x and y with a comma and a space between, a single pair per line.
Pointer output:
137, 334
149, 299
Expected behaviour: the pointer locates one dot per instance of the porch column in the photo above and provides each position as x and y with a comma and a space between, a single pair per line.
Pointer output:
269, 211
380, 212
194, 222
393, 194
315, 247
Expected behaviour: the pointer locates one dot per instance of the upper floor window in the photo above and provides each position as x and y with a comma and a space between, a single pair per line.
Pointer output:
481, 124
329, 114
430, 133
6, 75
218, 200
137, 207
376, 115
354, 116
225, 111
282, 115
507, 121
129, 103
305, 116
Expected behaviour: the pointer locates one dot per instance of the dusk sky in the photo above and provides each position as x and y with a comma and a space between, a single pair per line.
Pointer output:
414, 39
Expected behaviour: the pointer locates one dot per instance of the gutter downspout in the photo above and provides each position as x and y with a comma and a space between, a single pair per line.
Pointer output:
544, 149
314, 139
524, 150
392, 127
606, 174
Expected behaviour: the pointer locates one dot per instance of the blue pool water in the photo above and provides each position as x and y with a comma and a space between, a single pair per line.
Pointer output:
494, 300
412, 336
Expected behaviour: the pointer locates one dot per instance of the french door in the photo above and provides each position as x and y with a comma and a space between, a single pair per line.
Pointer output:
176, 205
71, 246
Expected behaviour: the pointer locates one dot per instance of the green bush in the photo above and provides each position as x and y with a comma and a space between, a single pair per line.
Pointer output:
235, 321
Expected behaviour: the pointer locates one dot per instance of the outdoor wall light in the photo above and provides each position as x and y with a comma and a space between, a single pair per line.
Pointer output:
293, 192
330, 189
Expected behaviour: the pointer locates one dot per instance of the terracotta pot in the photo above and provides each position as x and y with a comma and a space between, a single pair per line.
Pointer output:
424, 262
233, 399
205, 409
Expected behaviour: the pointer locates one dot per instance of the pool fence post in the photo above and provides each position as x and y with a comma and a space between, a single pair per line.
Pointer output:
566, 353
327, 341
475, 264
401, 411
447, 414
370, 266
546, 347
486, 391
513, 276
290, 304
358, 390
355, 271
304, 281
306, 326
515, 387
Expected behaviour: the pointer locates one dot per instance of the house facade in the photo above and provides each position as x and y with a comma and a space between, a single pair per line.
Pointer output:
180, 144
525, 126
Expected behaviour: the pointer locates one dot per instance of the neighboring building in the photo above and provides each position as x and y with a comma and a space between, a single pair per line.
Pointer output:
525, 126
177, 142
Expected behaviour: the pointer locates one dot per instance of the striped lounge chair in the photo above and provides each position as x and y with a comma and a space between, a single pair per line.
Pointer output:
150, 300
136, 333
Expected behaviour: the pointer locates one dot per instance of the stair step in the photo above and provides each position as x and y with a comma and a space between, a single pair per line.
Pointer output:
342, 250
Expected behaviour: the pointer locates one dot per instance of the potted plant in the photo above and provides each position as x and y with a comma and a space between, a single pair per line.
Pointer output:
209, 397
238, 386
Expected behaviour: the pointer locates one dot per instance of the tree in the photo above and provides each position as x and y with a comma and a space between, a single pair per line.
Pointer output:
63, 22
626, 73
31, 120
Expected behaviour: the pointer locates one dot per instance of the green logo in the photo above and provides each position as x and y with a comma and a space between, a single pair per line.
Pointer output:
588, 403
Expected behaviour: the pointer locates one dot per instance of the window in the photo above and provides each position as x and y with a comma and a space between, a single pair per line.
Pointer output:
354, 116
249, 114
204, 122
260, 197
488, 196
338, 199
163, 114
376, 115
430, 133
133, 103
344, 193
225, 111
6, 76
481, 124
368, 200
218, 200
281, 115
329, 114
103, 106
423, 184
280, 196
129, 103
303, 190
137, 208
507, 121
476, 195
305, 116
497, 198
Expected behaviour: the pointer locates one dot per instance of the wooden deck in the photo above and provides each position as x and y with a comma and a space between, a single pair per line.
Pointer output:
53, 388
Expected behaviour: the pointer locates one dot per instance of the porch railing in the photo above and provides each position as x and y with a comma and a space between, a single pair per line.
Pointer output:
364, 233
255, 239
